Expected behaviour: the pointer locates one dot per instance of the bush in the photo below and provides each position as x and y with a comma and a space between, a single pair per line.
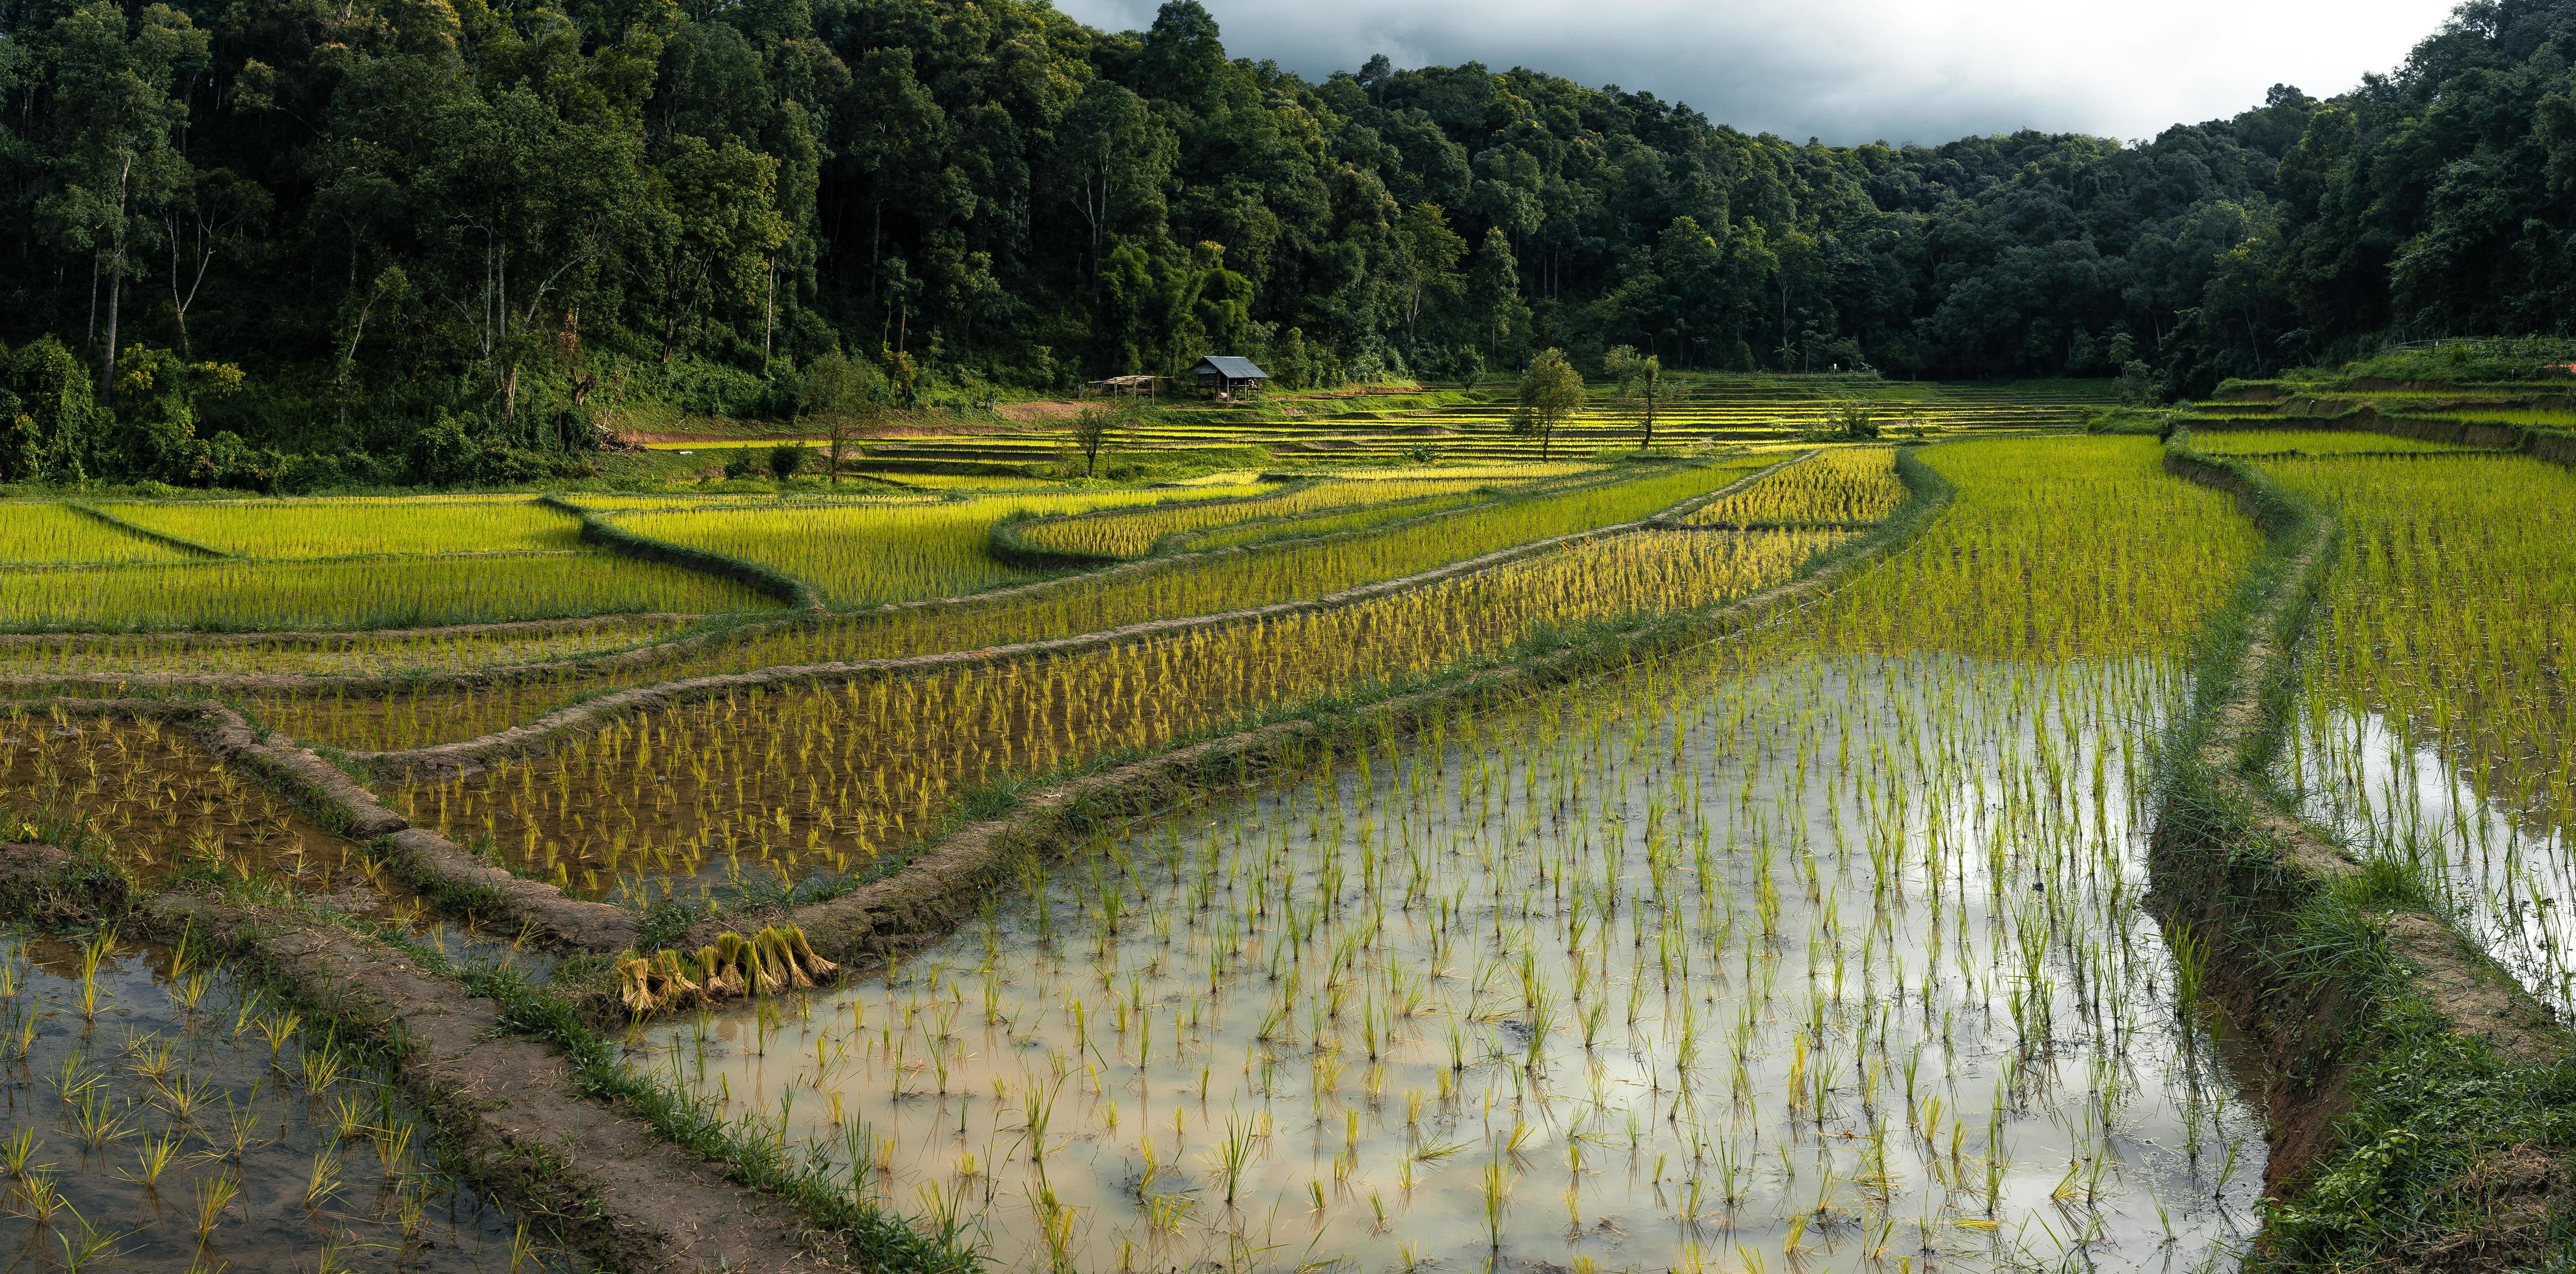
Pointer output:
2468, 361
785, 460
739, 464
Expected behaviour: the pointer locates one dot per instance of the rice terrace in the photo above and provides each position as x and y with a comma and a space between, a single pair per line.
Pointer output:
918, 637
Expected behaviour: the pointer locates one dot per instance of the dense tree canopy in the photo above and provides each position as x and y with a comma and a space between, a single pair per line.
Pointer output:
383, 239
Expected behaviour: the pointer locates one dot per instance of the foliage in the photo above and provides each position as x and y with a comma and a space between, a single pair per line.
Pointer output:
510, 229
786, 460
1551, 391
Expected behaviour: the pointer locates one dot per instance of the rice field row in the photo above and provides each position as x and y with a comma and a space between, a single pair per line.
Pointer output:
2054, 549
154, 801
352, 527
234, 594
2436, 722
1819, 950
827, 778
2310, 442
860, 554
1283, 573
36, 532
1135, 533
387, 653
166, 1116
1843, 485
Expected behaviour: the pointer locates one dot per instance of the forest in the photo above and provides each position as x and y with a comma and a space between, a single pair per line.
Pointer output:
285, 244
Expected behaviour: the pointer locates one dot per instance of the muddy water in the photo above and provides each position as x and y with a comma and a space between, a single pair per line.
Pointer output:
1814, 962
301, 1160
2506, 876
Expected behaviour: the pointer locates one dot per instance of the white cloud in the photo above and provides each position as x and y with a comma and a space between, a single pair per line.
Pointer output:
1856, 70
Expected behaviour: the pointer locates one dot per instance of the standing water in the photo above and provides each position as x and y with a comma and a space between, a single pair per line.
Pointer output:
1833, 961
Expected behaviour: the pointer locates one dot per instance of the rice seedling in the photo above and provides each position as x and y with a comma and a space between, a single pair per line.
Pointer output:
1847, 486
1137, 532
861, 552
2435, 730
236, 595
149, 795
1287, 572
1941, 808
197, 1150
392, 652
44, 532
356, 526
2310, 442
827, 778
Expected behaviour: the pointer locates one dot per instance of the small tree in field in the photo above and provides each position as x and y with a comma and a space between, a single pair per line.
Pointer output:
1640, 379
1855, 421
840, 392
1470, 365
1551, 391
786, 460
1091, 432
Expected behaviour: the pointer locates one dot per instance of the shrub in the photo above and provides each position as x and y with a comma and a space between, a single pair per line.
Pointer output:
785, 460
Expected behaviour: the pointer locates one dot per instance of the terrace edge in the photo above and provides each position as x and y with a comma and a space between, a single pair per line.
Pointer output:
2352, 990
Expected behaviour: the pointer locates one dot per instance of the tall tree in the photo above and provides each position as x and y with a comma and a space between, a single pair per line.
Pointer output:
1494, 291
1427, 257
117, 161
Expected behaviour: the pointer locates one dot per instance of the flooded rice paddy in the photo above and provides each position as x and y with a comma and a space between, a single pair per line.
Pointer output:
160, 1116
1782, 959
2504, 875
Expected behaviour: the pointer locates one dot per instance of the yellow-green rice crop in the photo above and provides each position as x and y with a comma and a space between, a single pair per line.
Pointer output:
1134, 533
1831, 957
244, 595
811, 778
1327, 521
2054, 548
164, 1109
2438, 724
859, 553
357, 526
2307, 442
1285, 573
43, 532
395, 652
1531, 472
151, 798
1845, 485
868, 494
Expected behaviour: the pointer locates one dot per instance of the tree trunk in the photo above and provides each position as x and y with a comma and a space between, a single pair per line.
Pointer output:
769, 311
115, 294
178, 303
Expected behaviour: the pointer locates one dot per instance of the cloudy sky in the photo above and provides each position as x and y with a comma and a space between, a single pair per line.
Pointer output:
1858, 70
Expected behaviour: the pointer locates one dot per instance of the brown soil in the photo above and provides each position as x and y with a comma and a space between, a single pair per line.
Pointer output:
512, 1107
1045, 411
2517, 1189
